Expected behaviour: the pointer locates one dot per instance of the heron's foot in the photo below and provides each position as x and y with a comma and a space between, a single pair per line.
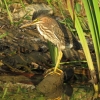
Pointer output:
52, 71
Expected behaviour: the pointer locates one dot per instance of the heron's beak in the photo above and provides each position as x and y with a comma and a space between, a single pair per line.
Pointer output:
29, 24
26, 25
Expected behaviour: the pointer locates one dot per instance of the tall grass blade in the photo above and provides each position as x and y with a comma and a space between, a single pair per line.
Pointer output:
53, 52
83, 42
93, 14
8, 11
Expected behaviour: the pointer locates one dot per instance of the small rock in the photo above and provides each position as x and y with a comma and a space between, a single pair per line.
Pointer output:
52, 85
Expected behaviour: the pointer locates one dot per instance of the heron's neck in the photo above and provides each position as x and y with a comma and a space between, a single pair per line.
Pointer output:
39, 29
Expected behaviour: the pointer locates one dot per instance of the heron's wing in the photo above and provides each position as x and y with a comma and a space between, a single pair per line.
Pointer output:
59, 34
69, 38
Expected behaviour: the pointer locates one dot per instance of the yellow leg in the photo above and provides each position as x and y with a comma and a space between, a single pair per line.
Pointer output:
58, 60
55, 69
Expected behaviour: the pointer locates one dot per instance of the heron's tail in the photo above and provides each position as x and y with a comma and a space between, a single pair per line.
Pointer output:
71, 54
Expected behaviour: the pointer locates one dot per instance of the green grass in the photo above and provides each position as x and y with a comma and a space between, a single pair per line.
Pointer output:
3, 35
5, 4
17, 92
8, 11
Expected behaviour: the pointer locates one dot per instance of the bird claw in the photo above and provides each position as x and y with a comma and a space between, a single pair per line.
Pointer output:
51, 72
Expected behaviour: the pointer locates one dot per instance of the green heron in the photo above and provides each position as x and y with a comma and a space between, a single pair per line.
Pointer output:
49, 28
